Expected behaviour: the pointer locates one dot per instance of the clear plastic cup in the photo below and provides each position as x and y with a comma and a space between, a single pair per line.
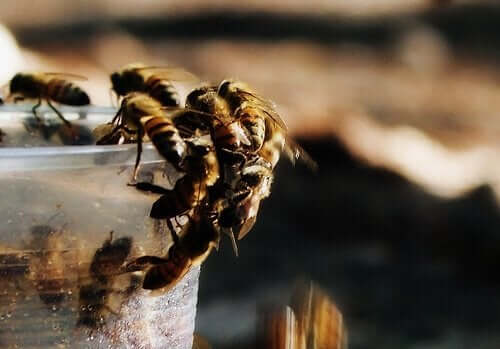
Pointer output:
59, 204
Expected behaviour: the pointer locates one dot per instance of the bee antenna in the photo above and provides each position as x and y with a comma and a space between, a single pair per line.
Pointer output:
233, 241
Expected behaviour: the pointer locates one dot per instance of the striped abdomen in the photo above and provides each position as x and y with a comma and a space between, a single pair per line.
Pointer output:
166, 138
170, 272
66, 92
187, 193
163, 91
231, 136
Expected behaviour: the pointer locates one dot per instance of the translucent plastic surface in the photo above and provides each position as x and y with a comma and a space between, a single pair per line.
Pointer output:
59, 205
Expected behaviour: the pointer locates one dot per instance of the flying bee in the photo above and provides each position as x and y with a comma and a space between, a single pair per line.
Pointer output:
320, 322
190, 249
155, 81
311, 321
278, 329
105, 266
49, 87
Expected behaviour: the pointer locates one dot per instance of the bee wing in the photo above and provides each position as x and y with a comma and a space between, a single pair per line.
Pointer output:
170, 73
267, 107
68, 76
279, 330
295, 152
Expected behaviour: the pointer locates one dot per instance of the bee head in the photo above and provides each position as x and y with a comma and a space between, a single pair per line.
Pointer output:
118, 84
194, 95
19, 82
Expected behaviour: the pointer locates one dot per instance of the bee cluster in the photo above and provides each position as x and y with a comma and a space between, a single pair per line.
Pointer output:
225, 140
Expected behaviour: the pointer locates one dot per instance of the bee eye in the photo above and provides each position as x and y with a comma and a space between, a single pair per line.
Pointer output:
223, 88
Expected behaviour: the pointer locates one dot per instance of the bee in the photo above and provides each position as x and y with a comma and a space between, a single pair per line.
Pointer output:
202, 172
241, 205
190, 249
50, 264
227, 131
105, 266
155, 81
141, 115
268, 132
278, 328
311, 321
49, 87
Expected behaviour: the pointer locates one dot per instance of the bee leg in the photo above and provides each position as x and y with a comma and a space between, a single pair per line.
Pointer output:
58, 114
140, 134
35, 107
143, 262
175, 237
153, 188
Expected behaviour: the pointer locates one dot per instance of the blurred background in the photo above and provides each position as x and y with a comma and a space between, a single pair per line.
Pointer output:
399, 103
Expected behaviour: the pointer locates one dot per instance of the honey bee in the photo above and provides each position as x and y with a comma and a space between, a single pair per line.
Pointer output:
202, 171
50, 264
239, 208
105, 266
268, 132
49, 87
227, 131
155, 81
190, 249
142, 115
279, 329
312, 321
